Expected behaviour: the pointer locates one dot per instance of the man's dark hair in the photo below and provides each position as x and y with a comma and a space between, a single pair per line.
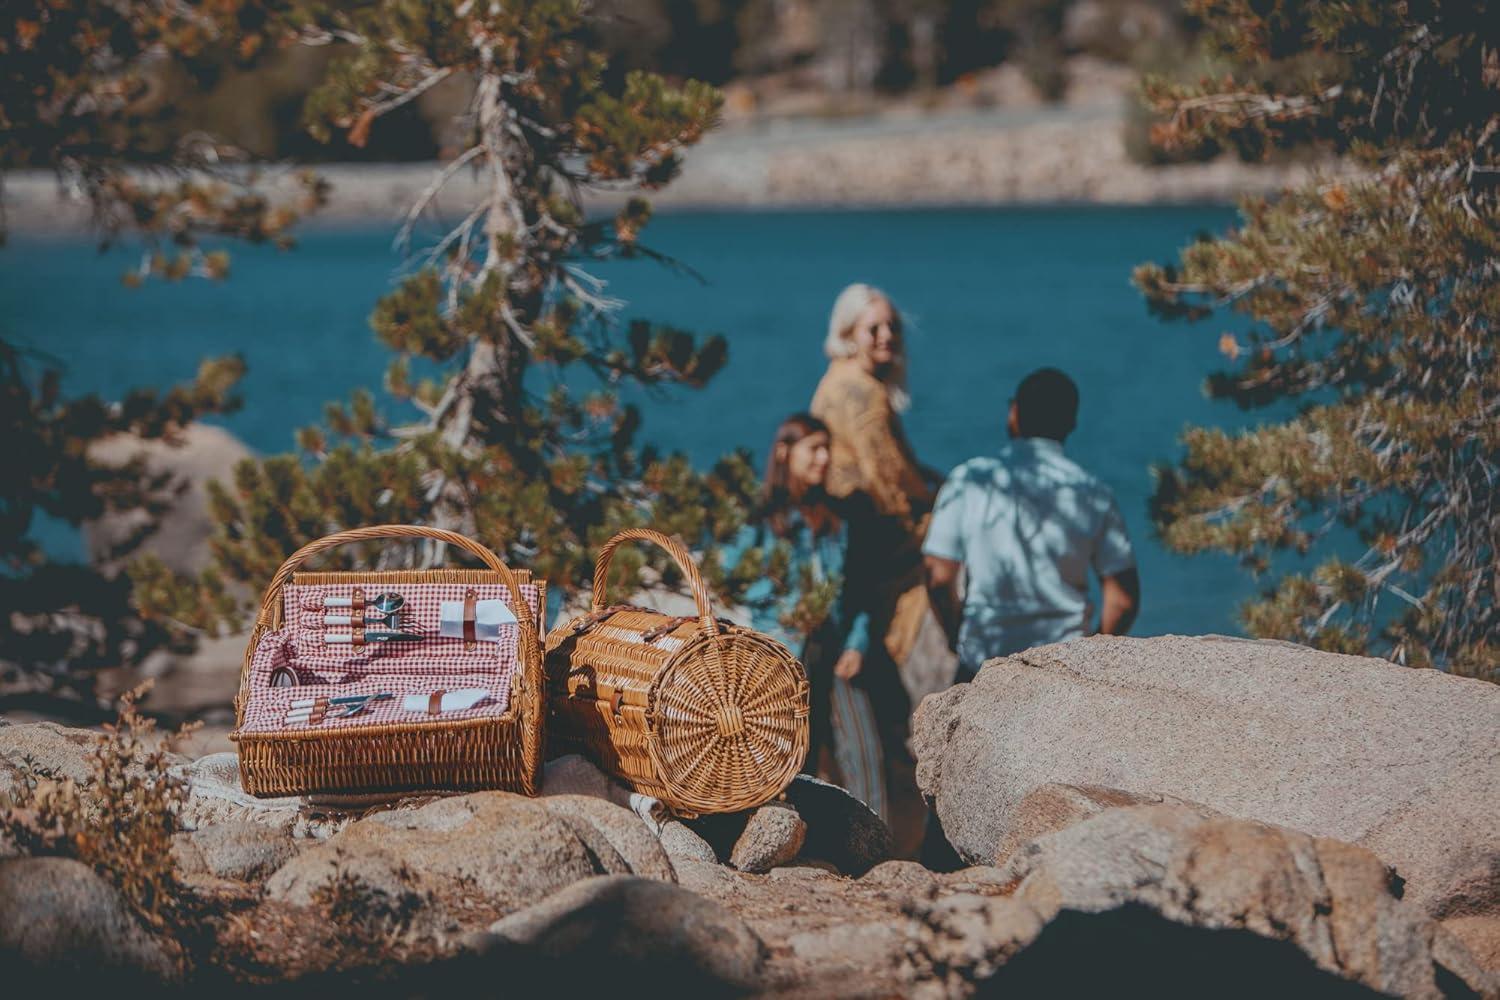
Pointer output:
1046, 405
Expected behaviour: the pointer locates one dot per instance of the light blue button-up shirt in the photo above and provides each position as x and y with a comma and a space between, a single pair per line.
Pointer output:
1027, 524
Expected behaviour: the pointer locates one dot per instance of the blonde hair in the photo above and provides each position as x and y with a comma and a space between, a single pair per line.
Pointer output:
847, 309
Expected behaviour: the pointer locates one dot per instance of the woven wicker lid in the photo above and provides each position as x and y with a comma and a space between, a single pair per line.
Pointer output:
727, 720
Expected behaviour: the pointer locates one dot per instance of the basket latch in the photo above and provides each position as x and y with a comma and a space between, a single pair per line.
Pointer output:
671, 624
588, 621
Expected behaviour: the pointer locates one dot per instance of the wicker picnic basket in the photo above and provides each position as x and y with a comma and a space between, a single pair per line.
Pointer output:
496, 745
702, 714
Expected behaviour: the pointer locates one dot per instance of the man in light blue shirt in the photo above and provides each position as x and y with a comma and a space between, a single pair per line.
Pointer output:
1027, 525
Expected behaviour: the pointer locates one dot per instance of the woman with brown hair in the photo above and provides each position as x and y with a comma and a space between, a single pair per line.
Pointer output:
792, 555
861, 398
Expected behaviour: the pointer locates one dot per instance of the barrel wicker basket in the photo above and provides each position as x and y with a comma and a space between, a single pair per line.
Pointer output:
496, 745
705, 715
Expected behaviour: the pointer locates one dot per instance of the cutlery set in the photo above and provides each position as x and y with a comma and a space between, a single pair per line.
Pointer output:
384, 625
313, 711
381, 620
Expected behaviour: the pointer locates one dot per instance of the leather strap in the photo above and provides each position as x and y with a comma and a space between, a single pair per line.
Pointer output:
435, 703
471, 611
357, 616
593, 618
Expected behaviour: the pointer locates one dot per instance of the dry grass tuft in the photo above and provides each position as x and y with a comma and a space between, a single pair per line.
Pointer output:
120, 823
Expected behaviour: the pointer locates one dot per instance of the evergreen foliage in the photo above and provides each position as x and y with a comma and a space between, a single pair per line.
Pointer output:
497, 317
1374, 297
81, 95
65, 622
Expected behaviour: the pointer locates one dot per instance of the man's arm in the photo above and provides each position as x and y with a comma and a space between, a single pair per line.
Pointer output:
942, 593
1121, 593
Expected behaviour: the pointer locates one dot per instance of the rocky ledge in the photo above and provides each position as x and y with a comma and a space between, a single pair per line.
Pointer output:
1178, 816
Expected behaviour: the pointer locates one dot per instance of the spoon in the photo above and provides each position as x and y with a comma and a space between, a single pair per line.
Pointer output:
387, 607
387, 604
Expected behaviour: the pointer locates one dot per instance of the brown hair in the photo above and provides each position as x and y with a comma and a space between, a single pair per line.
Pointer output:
776, 490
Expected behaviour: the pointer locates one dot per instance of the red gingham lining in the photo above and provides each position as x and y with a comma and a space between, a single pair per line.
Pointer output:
401, 668
303, 611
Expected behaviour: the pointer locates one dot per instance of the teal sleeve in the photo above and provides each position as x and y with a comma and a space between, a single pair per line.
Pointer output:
733, 551
858, 638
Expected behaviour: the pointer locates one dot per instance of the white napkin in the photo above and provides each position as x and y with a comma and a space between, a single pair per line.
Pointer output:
450, 701
488, 617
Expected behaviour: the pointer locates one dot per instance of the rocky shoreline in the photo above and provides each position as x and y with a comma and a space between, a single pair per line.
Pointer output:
1175, 815
1073, 154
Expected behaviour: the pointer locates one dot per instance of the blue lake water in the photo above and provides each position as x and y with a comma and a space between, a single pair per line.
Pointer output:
989, 295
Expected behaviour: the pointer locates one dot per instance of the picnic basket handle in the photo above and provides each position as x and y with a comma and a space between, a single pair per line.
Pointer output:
679, 554
270, 606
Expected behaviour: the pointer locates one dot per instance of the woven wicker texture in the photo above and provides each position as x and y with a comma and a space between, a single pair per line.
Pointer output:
501, 751
704, 715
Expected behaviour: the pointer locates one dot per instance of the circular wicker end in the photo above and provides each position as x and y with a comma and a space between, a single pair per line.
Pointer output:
731, 720
729, 714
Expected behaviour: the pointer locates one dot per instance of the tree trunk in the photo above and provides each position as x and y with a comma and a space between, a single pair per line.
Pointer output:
490, 387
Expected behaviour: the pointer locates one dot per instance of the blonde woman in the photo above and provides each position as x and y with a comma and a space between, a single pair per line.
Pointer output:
860, 399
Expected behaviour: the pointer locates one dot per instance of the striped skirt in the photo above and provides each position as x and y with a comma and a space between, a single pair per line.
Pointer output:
856, 746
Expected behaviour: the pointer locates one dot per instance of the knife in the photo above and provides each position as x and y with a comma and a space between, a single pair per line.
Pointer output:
444, 701
348, 640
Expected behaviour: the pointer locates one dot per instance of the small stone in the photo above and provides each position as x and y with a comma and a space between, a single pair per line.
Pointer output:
906, 877
772, 836
682, 844
985, 880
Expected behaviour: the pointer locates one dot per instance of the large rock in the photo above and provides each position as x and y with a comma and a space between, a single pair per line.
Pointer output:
202, 453
614, 931
826, 935
1401, 761
63, 927
1153, 866
244, 852
841, 829
453, 858
45, 749
639, 850
508, 847
1048, 808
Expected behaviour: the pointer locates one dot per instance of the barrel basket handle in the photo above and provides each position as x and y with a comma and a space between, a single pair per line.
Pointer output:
680, 555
